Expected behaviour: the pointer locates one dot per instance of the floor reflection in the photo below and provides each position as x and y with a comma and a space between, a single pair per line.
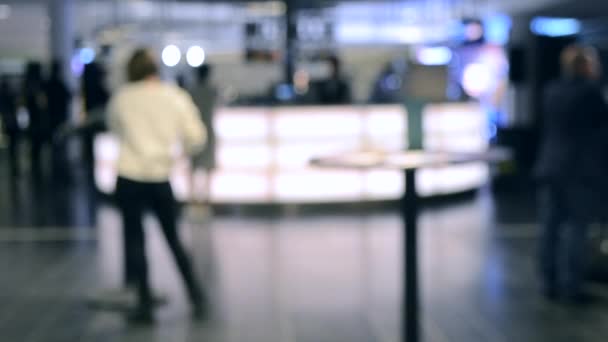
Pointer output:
301, 277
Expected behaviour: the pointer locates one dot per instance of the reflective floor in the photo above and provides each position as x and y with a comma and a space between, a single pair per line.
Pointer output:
283, 278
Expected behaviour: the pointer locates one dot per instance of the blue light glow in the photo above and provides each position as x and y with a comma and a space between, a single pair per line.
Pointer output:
86, 55
555, 27
392, 82
76, 66
284, 92
498, 29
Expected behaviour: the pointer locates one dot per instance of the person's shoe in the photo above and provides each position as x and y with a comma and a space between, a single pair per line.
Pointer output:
159, 299
113, 299
141, 317
550, 294
200, 310
579, 299
122, 299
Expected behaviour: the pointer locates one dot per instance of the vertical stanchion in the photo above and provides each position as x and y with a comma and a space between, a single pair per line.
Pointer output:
410, 309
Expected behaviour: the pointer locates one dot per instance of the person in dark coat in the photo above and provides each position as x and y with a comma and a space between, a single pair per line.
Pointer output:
204, 94
96, 97
334, 90
35, 103
571, 169
10, 124
58, 104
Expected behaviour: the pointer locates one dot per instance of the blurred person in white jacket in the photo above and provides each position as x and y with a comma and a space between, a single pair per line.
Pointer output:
150, 118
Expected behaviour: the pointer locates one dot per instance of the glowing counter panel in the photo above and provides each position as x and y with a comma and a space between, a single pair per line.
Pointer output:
263, 154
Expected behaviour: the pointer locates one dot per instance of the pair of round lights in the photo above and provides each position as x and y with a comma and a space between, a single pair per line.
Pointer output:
195, 56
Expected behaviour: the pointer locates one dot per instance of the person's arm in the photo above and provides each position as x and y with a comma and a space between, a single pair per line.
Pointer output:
599, 122
193, 131
598, 106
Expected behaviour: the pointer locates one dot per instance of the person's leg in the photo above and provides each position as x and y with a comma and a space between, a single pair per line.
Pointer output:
130, 273
575, 256
551, 217
130, 197
165, 208
36, 149
129, 260
59, 161
55, 162
13, 152
88, 157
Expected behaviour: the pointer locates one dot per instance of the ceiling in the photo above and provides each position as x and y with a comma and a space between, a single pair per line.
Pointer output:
583, 8
26, 31
576, 8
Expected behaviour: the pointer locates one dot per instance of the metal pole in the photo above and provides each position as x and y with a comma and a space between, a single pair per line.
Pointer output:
61, 13
409, 208
290, 41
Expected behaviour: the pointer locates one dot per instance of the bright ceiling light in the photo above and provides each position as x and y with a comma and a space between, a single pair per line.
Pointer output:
195, 56
171, 55
86, 55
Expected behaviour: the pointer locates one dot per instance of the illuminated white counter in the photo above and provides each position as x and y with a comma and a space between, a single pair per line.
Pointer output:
263, 153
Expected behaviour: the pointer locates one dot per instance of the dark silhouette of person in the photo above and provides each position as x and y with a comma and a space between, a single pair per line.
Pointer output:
58, 97
204, 94
571, 169
8, 110
334, 90
148, 118
181, 81
35, 102
389, 86
96, 97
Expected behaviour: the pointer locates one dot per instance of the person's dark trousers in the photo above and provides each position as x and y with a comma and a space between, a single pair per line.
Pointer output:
133, 199
13, 153
562, 243
129, 261
88, 155
37, 143
60, 162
